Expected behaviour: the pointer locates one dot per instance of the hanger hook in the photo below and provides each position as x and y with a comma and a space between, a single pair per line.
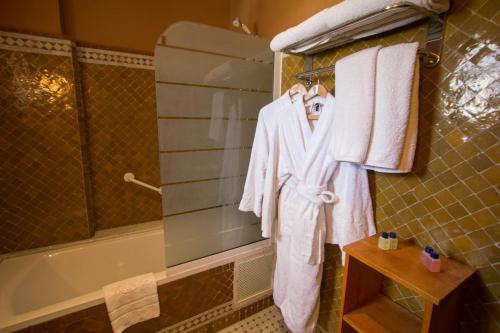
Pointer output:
308, 81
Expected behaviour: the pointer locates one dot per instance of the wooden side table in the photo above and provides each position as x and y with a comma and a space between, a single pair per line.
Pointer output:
365, 309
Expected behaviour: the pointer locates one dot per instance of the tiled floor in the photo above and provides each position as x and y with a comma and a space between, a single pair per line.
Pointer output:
266, 321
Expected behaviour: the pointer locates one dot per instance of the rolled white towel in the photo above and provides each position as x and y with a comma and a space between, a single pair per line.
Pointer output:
355, 91
311, 27
395, 121
131, 301
351, 10
348, 11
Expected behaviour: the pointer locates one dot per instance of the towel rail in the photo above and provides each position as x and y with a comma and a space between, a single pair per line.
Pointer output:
129, 177
371, 25
308, 75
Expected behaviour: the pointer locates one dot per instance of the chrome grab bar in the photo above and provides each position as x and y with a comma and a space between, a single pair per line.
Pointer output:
129, 177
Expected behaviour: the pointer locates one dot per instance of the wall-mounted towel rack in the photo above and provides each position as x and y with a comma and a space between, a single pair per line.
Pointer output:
391, 17
129, 177
308, 75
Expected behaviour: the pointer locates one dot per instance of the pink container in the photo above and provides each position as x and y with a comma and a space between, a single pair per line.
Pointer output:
434, 263
425, 255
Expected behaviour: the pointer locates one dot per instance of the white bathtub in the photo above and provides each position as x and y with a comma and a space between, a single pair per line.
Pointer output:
41, 285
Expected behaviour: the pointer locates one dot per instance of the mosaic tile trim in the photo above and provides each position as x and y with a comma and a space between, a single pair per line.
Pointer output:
105, 57
35, 44
235, 316
269, 320
200, 320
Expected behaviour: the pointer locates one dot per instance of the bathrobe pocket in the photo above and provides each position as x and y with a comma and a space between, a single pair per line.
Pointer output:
308, 234
287, 218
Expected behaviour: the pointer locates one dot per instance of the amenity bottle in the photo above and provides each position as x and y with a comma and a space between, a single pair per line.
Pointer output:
393, 241
383, 241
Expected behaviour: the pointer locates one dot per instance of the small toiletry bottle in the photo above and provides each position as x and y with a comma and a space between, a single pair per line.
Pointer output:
425, 255
434, 263
393, 241
383, 241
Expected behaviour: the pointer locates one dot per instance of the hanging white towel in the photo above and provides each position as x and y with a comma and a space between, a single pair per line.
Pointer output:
410, 142
355, 91
395, 121
131, 301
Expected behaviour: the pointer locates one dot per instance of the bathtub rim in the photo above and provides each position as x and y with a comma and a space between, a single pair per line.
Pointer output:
100, 235
94, 298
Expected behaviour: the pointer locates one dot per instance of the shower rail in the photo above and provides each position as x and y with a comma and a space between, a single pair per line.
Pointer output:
129, 177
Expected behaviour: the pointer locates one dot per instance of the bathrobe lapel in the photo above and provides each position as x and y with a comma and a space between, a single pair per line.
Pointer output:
311, 167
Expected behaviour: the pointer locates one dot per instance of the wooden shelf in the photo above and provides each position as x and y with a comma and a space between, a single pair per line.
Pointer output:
383, 316
403, 266
364, 310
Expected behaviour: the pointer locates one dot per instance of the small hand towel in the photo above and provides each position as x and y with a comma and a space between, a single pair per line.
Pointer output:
355, 91
131, 301
394, 131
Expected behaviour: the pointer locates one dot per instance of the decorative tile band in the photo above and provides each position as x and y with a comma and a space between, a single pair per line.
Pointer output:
63, 47
200, 320
105, 57
35, 44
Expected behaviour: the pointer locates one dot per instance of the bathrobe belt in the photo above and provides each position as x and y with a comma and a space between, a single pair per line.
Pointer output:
318, 195
308, 235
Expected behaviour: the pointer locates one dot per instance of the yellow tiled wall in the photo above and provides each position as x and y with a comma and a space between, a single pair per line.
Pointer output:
69, 132
42, 191
122, 132
450, 200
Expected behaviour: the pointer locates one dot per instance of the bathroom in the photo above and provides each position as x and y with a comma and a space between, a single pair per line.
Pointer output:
129, 129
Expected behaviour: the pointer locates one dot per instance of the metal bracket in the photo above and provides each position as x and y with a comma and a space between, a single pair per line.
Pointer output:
308, 64
434, 42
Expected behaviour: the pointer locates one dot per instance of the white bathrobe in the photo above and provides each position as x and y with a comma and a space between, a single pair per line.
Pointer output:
289, 156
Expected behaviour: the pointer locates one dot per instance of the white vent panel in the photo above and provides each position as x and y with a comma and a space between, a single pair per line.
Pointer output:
253, 278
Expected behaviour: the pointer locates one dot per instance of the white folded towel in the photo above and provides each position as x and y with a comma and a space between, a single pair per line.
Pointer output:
131, 301
394, 131
410, 137
355, 91
313, 26
348, 11
351, 10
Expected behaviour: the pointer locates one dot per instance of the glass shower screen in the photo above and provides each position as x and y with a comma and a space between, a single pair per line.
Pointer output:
210, 85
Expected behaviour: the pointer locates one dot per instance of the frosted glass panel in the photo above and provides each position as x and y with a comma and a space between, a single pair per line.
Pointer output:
210, 85
215, 70
199, 134
187, 166
192, 101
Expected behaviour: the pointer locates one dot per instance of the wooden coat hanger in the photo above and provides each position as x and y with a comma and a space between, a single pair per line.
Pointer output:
297, 88
317, 90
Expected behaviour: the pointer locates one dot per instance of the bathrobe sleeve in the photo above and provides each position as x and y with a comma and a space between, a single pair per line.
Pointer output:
259, 194
253, 192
